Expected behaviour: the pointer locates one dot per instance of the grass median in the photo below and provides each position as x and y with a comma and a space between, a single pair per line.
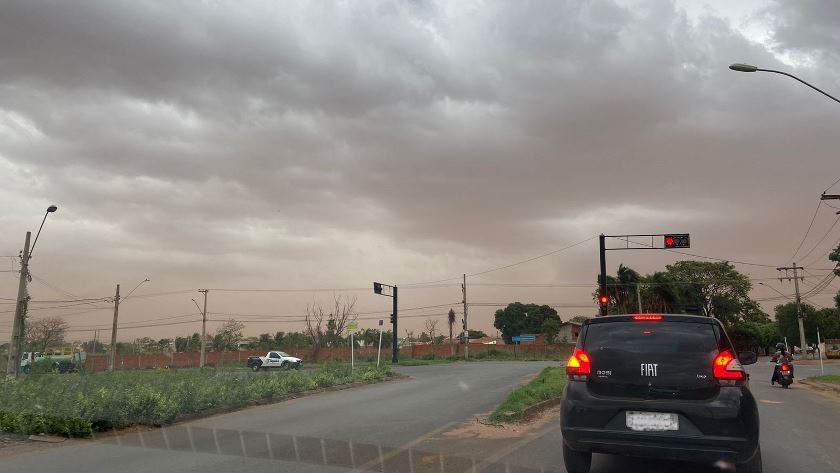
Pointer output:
545, 387
827, 378
76, 405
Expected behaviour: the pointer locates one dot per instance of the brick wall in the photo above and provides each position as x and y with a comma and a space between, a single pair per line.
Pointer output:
191, 359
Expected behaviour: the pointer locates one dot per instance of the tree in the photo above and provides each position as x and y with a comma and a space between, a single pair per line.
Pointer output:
431, 328
325, 329
265, 342
45, 334
94, 347
786, 321
474, 334
182, 344
518, 318
717, 288
660, 294
279, 339
550, 329
579, 319
296, 340
228, 336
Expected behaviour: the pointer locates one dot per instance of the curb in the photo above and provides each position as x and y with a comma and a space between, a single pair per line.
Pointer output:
530, 412
820, 386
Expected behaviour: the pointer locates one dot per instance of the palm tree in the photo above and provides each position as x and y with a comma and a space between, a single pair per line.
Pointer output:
451, 320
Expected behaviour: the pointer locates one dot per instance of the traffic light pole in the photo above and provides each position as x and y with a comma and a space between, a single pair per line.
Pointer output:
377, 289
395, 351
670, 241
602, 280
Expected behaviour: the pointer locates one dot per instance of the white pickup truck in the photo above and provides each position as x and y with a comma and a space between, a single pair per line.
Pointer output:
274, 359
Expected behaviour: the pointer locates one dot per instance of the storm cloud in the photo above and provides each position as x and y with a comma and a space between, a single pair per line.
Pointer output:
325, 144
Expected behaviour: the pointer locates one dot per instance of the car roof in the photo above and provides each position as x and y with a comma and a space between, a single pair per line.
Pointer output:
665, 317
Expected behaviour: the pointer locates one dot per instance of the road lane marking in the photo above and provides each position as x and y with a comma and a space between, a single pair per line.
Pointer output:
402, 448
768, 401
493, 459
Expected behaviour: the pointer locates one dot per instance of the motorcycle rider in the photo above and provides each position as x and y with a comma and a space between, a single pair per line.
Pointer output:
781, 356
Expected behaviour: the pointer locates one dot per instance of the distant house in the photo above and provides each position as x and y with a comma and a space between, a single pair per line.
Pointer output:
569, 332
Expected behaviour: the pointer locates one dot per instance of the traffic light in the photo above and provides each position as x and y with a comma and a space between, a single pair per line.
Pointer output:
377, 288
604, 300
677, 240
393, 319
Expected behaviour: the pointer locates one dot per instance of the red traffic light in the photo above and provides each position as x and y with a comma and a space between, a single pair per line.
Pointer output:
604, 300
677, 240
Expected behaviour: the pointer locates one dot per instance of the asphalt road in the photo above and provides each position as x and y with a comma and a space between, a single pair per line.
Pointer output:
413, 425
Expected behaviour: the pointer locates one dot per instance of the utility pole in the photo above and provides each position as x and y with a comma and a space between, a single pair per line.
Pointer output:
639, 297
203, 358
466, 330
602, 280
796, 278
16, 345
112, 357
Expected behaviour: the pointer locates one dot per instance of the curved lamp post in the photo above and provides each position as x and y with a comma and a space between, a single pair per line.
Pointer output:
18, 325
750, 68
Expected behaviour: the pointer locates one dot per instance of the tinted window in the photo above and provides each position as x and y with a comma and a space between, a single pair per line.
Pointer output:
652, 337
652, 359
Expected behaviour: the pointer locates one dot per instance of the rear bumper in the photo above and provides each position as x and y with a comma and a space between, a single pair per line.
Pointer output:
723, 428
701, 449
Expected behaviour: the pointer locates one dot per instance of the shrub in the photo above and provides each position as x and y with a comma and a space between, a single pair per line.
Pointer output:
75, 405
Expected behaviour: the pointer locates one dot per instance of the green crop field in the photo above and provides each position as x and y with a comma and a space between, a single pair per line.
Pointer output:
76, 405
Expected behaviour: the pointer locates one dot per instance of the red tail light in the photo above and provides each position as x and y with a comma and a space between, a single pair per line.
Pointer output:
785, 367
579, 364
647, 317
727, 367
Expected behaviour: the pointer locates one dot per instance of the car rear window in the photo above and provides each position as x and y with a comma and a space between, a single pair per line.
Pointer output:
652, 337
647, 359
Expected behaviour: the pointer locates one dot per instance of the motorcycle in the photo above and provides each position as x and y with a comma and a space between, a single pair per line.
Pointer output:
785, 375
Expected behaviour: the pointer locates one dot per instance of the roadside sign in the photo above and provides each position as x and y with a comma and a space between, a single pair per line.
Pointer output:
352, 326
524, 338
380, 322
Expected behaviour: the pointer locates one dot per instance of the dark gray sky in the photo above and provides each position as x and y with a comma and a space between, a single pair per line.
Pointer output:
329, 144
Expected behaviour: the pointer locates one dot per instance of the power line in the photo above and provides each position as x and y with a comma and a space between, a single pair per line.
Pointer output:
499, 268
336, 289
166, 324
821, 240
832, 185
816, 211
267, 316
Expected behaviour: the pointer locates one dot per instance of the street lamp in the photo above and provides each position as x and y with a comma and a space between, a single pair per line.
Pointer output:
777, 291
50, 209
750, 68
18, 325
135, 288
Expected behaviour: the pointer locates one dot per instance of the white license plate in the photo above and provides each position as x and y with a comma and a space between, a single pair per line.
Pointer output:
652, 421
